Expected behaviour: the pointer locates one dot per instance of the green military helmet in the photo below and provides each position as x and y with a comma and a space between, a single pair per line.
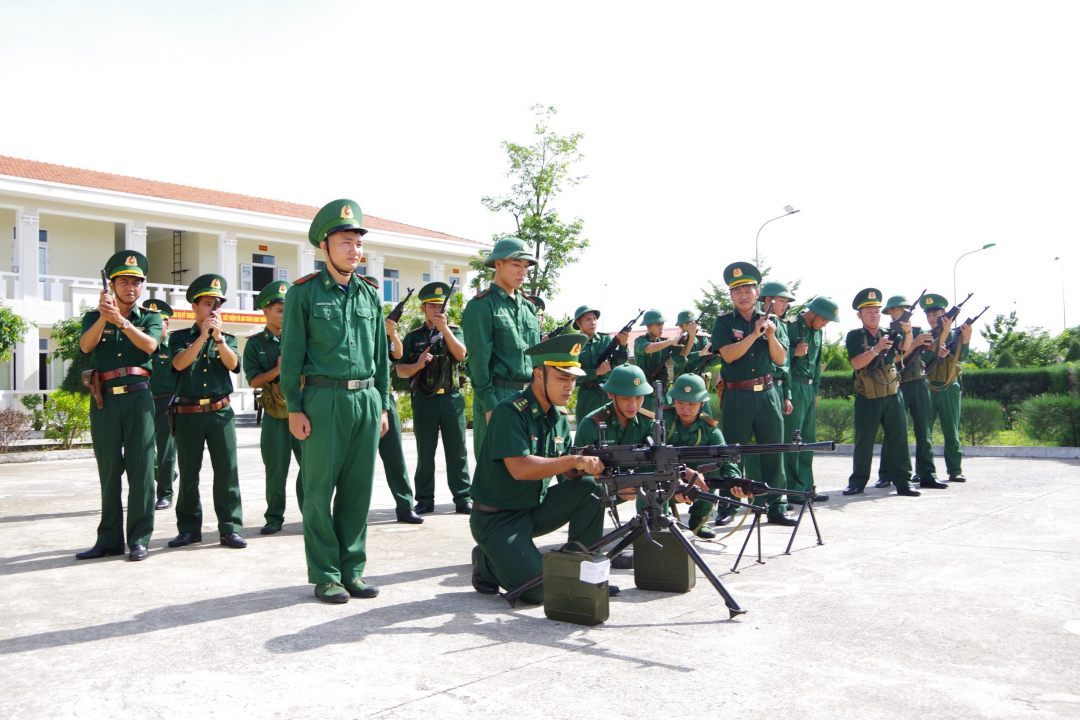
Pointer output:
867, 297
338, 215
741, 273
127, 262
158, 306
560, 352
581, 311
272, 293
825, 307
652, 317
776, 289
689, 388
685, 316
434, 292
209, 285
896, 301
510, 248
934, 302
627, 381
541, 306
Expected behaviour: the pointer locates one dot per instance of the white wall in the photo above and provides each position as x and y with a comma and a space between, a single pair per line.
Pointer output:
77, 247
284, 253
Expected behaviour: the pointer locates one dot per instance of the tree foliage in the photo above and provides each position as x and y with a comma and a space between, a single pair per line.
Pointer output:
1030, 347
13, 329
66, 334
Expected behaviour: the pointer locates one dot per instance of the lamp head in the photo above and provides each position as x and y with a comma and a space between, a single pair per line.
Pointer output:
988, 245
788, 209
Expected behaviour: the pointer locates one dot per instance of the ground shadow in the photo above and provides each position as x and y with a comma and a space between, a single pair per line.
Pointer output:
47, 516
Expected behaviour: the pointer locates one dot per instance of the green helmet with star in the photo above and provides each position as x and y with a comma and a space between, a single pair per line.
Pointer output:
581, 311
777, 289
337, 215
560, 352
652, 317
685, 316
689, 388
127, 262
896, 301
209, 285
627, 381
272, 293
825, 307
510, 248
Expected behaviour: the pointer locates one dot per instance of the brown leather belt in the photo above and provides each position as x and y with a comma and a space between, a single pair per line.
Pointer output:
188, 406
756, 384
125, 389
161, 396
484, 508
123, 372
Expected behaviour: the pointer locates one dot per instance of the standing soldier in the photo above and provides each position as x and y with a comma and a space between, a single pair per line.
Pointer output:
204, 356
541, 308
589, 394
334, 339
437, 402
391, 451
162, 382
500, 324
262, 366
804, 368
944, 381
690, 357
876, 401
650, 353
121, 338
749, 345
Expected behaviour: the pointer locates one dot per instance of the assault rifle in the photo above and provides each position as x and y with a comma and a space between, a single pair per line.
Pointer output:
560, 330
395, 314
613, 346
954, 312
951, 345
683, 339
433, 337
896, 332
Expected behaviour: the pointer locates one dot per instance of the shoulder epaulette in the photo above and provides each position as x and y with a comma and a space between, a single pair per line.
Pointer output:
727, 314
563, 410
530, 298
252, 337
370, 281
307, 277
647, 413
521, 404
708, 419
481, 294
668, 407
601, 416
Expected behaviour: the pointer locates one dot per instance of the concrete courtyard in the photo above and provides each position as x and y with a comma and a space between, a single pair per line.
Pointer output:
964, 603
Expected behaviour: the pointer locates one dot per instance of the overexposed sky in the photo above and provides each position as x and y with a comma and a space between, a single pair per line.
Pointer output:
907, 134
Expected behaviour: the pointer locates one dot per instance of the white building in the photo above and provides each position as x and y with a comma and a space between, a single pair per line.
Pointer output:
66, 222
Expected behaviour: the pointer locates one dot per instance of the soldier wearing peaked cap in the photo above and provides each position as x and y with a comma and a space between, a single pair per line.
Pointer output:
120, 338
262, 366
528, 443
589, 394
944, 380
500, 323
652, 356
162, 382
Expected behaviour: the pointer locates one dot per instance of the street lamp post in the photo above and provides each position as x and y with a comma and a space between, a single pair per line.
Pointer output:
788, 210
984, 247
1064, 320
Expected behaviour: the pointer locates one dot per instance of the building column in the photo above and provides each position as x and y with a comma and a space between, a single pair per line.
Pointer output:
305, 261
438, 271
135, 236
227, 267
26, 259
375, 267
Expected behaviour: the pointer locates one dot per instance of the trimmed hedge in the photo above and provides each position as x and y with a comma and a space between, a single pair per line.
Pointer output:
1008, 387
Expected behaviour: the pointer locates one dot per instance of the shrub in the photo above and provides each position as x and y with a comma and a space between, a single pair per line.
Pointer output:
14, 427
1073, 353
1006, 360
67, 417
404, 408
836, 385
33, 404
980, 420
836, 420
467, 394
1053, 418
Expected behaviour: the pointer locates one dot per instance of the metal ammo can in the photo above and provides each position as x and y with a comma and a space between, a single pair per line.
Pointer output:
668, 569
576, 585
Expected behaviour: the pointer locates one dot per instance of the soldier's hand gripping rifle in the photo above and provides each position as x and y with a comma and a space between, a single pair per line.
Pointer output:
951, 345
395, 314
434, 337
613, 346
683, 339
954, 312
895, 333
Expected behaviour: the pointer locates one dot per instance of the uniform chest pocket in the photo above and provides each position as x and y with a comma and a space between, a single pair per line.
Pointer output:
504, 333
327, 323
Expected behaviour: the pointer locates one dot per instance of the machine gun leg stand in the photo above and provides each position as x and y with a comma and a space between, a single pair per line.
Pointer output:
755, 525
808, 503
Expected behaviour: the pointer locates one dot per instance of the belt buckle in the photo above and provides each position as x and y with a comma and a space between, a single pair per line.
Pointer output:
440, 391
204, 401
759, 388
353, 384
119, 390
810, 381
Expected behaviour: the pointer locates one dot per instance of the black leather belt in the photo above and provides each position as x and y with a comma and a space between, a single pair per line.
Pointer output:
339, 384
162, 396
509, 385
125, 389
484, 508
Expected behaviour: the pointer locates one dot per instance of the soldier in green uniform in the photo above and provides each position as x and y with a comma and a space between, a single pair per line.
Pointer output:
751, 348
333, 337
391, 451
120, 339
262, 366
528, 443
589, 394
804, 367
433, 356
627, 419
944, 382
651, 353
876, 400
541, 308
500, 324
204, 357
915, 394
695, 350
162, 382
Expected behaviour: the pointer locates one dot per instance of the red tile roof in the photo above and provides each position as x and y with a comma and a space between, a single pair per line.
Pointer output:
48, 172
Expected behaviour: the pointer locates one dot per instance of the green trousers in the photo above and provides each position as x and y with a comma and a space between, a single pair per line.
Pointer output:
509, 555
393, 462
799, 467
338, 463
479, 421
945, 405
123, 437
166, 451
888, 413
443, 413
746, 414
278, 447
916, 398
588, 400
217, 432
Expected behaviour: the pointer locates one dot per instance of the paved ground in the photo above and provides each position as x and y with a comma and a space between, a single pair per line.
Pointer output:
962, 603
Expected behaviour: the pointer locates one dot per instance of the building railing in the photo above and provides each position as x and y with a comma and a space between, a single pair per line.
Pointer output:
7, 284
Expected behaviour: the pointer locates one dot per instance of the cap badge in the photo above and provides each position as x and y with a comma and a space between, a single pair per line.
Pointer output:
576, 350
153, 306
929, 301
736, 273
871, 295
282, 288
216, 284
131, 261
637, 381
686, 389
438, 291
346, 212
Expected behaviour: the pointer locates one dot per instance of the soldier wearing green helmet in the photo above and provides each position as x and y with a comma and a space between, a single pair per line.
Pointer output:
944, 381
162, 382
500, 323
650, 355
336, 382
694, 351
262, 366
120, 338
589, 394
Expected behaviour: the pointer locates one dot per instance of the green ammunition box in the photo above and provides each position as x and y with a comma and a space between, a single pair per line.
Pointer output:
668, 569
576, 585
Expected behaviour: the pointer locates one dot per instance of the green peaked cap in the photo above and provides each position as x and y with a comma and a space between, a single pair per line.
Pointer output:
209, 285
434, 292
341, 214
158, 306
774, 288
934, 302
272, 293
581, 311
510, 248
867, 297
689, 388
560, 352
825, 307
652, 317
627, 381
127, 262
741, 273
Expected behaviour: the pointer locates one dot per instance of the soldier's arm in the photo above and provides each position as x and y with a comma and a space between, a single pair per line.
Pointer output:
476, 323
294, 330
93, 324
183, 359
227, 353
254, 370
382, 365
454, 345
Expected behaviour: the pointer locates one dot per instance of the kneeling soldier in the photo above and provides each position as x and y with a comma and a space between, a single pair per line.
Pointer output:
528, 443
204, 356
121, 337
162, 382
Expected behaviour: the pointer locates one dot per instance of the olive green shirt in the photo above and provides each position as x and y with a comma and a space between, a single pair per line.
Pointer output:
114, 350
861, 340
692, 362
637, 428
782, 372
207, 376
518, 428
914, 364
261, 354
731, 328
332, 333
703, 431
498, 330
162, 378
590, 356
434, 373
651, 362
809, 365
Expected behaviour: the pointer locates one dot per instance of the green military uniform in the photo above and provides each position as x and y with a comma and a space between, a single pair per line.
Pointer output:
589, 394
206, 382
654, 365
693, 362
335, 338
392, 455
123, 429
877, 403
946, 394
498, 329
509, 513
438, 406
276, 442
162, 382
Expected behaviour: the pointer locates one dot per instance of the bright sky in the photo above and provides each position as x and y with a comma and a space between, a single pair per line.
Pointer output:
906, 134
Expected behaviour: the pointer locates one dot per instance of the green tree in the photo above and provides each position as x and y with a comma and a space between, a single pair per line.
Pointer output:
538, 173
1072, 354
13, 329
66, 334
1030, 347
1006, 360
